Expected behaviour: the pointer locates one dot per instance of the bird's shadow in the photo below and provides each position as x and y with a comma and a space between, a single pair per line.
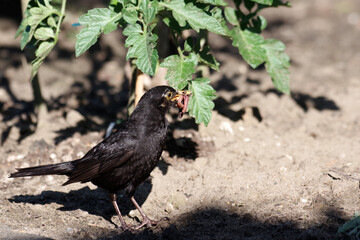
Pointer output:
95, 202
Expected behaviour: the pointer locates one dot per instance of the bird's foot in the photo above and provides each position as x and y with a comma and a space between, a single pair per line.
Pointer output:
148, 222
127, 228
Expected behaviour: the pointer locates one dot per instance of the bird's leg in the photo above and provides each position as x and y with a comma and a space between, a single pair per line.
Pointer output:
146, 221
122, 221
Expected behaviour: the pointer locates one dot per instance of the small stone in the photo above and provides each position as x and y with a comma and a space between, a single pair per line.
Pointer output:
226, 127
169, 207
132, 213
80, 154
53, 156
11, 158
178, 200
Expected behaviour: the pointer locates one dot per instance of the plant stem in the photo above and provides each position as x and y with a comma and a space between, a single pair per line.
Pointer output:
61, 17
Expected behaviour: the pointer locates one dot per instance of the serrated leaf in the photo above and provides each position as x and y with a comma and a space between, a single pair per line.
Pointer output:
86, 38
149, 14
130, 17
51, 22
25, 37
201, 104
38, 14
98, 17
277, 64
250, 46
44, 33
41, 52
196, 17
214, 2
148, 11
34, 16
110, 27
265, 2
179, 70
231, 16
95, 21
142, 47
44, 49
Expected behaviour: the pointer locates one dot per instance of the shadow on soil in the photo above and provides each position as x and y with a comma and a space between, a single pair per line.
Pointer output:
303, 100
95, 202
207, 223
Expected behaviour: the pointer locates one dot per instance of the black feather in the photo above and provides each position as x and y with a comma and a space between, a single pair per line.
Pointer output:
124, 159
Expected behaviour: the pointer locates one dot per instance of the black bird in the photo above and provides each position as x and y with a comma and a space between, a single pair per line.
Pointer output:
126, 158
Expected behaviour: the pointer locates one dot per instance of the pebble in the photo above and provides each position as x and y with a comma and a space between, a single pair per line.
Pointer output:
226, 127
13, 158
80, 154
53, 156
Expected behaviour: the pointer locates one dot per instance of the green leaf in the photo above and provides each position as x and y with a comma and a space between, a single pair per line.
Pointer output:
98, 17
95, 21
265, 2
196, 17
86, 38
231, 16
44, 49
34, 16
201, 104
142, 47
207, 58
110, 27
44, 33
214, 2
250, 46
38, 14
352, 224
277, 64
148, 11
179, 70
131, 16
41, 53
51, 22
263, 23
22, 27
25, 37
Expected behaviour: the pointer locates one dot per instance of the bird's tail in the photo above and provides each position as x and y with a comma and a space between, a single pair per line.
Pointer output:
59, 169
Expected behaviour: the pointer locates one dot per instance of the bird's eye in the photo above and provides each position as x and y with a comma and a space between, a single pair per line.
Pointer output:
168, 95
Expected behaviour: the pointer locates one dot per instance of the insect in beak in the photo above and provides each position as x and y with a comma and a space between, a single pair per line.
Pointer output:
181, 99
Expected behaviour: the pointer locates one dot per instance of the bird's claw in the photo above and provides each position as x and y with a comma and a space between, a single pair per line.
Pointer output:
148, 222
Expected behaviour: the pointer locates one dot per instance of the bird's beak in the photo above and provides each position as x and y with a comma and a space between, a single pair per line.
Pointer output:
179, 94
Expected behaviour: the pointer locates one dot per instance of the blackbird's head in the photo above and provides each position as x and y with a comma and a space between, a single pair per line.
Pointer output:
157, 98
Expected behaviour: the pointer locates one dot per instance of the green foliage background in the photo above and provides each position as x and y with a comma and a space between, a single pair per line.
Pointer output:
241, 22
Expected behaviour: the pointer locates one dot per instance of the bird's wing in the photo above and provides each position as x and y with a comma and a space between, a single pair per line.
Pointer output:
107, 155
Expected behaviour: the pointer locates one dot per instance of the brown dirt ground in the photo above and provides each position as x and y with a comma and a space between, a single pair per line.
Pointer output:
268, 166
